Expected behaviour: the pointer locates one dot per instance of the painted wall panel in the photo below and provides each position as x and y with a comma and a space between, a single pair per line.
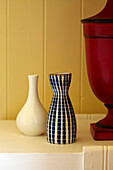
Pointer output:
62, 45
89, 102
25, 50
3, 59
41, 37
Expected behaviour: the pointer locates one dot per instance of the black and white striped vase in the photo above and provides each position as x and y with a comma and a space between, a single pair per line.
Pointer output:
61, 122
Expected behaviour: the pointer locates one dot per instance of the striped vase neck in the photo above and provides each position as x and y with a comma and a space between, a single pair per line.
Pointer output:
60, 83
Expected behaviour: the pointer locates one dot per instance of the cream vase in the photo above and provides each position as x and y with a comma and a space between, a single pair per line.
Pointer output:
31, 120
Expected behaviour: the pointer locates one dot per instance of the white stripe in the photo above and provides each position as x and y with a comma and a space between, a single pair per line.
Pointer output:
69, 117
52, 118
56, 115
66, 121
66, 124
61, 106
49, 121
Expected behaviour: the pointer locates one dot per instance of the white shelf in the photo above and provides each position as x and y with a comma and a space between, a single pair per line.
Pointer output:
35, 149
13, 141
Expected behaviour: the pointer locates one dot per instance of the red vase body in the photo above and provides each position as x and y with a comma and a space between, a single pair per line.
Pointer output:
99, 58
98, 32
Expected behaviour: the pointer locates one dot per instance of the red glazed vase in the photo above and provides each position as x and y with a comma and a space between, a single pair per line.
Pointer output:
98, 32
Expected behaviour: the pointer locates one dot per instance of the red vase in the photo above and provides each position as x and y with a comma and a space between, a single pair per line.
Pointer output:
98, 32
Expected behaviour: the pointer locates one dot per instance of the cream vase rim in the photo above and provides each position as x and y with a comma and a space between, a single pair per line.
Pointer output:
33, 75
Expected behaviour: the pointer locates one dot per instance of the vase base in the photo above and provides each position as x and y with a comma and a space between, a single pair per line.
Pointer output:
99, 133
63, 143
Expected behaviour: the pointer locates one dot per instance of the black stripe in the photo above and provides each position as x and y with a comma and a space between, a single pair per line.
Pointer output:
109, 105
59, 114
99, 37
67, 110
54, 113
97, 20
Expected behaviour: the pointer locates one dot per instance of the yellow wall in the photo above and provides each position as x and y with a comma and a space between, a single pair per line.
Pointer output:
44, 36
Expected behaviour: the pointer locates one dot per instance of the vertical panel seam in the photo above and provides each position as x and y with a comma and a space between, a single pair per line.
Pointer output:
108, 157
7, 3
7, 58
105, 157
81, 57
44, 50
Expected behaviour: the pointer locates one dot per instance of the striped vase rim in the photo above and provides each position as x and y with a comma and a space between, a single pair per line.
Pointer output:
60, 74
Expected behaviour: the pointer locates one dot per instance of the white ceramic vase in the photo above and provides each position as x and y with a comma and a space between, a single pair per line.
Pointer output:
31, 120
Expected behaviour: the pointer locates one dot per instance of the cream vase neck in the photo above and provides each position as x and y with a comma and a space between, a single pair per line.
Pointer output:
33, 81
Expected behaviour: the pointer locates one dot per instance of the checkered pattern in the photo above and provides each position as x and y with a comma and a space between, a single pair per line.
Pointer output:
61, 122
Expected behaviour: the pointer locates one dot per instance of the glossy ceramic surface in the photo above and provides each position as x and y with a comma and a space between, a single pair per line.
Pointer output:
61, 122
31, 120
